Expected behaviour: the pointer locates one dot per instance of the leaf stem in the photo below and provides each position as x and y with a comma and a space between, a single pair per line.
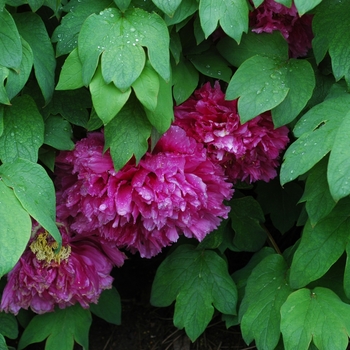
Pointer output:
272, 241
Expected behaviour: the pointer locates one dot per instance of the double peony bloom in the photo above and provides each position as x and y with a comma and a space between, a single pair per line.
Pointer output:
178, 188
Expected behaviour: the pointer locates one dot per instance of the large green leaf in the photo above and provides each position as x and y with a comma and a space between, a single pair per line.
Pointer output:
263, 44
185, 79
34, 189
119, 39
14, 231
71, 73
199, 281
264, 82
122, 4
319, 202
4, 73
280, 202
23, 130
305, 6
61, 328
163, 115
33, 30
211, 64
8, 325
330, 25
127, 134
58, 133
168, 7
231, 14
321, 130
66, 34
246, 216
316, 315
107, 99
185, 10
146, 87
17, 79
321, 246
266, 291
10, 42
72, 105
109, 306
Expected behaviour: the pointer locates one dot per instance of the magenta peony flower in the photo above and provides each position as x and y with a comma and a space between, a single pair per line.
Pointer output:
248, 152
270, 16
174, 190
42, 279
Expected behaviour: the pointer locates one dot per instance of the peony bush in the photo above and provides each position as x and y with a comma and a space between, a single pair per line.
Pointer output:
191, 130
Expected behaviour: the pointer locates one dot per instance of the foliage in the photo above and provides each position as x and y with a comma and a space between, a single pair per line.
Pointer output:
73, 66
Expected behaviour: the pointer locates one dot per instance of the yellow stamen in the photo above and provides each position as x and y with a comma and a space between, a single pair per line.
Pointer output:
45, 250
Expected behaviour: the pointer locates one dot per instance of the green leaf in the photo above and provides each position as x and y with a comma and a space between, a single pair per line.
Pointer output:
338, 172
108, 307
318, 315
346, 278
3, 345
319, 202
94, 122
330, 25
107, 99
35, 4
10, 42
71, 73
58, 133
122, 4
16, 80
212, 64
71, 105
300, 79
33, 30
198, 281
15, 229
35, 191
280, 202
163, 115
61, 328
260, 84
263, 83
8, 325
146, 87
66, 34
263, 44
231, 14
186, 9
266, 291
316, 131
48, 156
127, 134
321, 246
287, 3
246, 216
4, 73
185, 80
168, 7
305, 6
23, 130
119, 39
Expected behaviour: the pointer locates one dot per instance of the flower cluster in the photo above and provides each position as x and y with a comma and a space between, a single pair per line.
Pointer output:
175, 189
247, 152
270, 16
43, 278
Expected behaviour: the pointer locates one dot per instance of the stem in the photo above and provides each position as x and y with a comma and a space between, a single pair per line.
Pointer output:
272, 241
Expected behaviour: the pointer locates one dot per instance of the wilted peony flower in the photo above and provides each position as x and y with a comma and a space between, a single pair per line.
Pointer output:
270, 16
248, 152
42, 279
144, 207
